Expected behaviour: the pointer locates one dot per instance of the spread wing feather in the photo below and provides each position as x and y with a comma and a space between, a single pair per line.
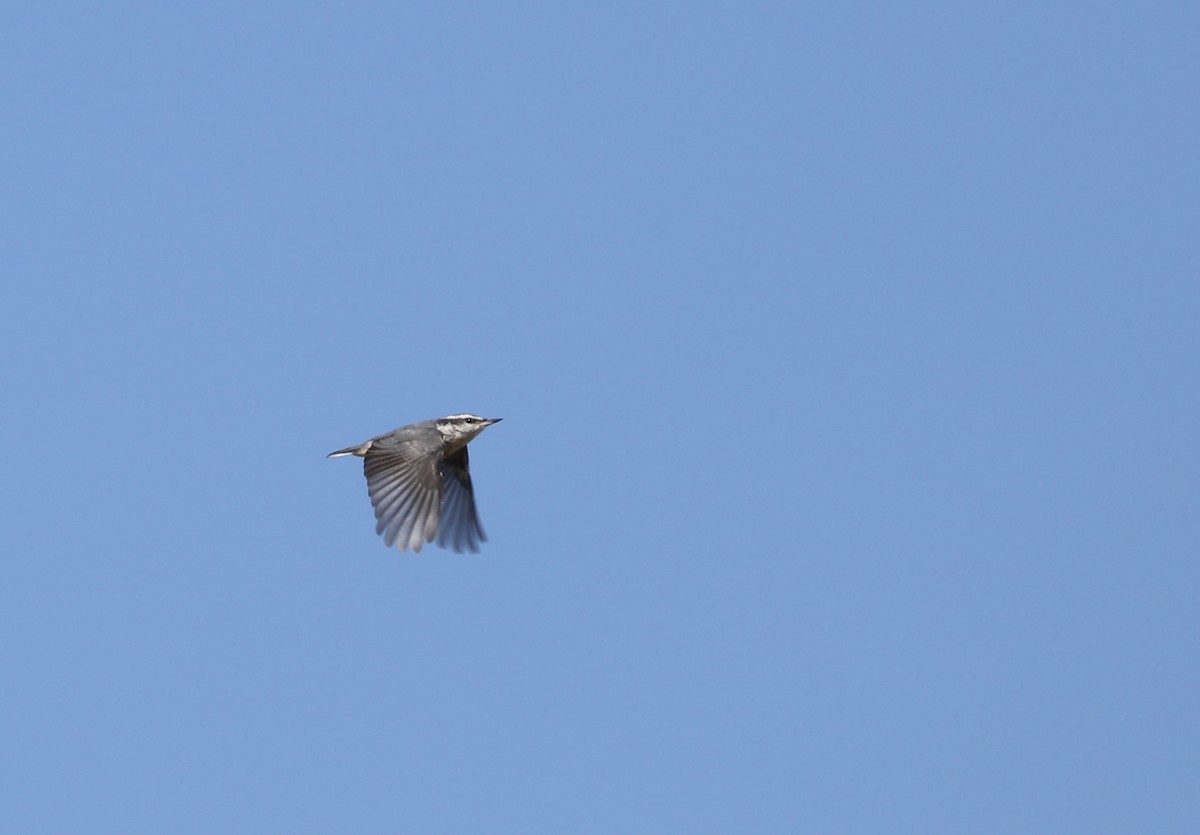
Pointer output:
406, 492
417, 501
460, 527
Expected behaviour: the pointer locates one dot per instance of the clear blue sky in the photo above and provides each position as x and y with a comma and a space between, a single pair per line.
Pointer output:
849, 359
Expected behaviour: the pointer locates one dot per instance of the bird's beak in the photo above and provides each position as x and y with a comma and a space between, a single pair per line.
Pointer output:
494, 420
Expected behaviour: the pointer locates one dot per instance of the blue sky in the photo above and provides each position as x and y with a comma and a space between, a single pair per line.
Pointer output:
848, 355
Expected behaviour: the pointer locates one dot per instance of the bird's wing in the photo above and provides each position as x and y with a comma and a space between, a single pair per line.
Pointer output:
406, 492
460, 528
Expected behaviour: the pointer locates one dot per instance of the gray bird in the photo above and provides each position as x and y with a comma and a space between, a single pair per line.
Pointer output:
420, 484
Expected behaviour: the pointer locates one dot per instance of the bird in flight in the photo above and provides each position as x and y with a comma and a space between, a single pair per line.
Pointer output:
420, 483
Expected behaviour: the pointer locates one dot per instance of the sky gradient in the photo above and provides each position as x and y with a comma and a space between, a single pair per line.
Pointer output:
848, 359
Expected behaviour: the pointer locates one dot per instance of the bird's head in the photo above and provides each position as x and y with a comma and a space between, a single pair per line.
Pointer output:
457, 430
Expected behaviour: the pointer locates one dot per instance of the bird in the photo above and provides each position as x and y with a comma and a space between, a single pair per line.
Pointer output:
420, 483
